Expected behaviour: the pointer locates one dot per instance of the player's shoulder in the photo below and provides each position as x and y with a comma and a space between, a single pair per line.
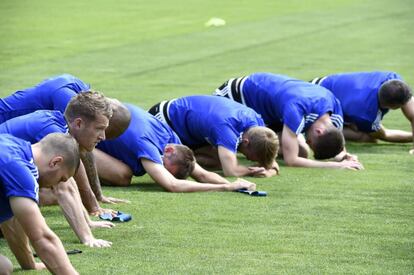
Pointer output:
12, 148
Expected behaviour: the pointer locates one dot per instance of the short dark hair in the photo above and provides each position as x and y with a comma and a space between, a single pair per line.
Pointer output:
394, 92
64, 145
329, 144
184, 158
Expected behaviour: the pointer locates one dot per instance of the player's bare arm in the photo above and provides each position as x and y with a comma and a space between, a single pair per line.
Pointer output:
46, 244
291, 149
164, 178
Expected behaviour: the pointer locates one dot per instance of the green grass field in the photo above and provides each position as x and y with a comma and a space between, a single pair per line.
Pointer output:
313, 221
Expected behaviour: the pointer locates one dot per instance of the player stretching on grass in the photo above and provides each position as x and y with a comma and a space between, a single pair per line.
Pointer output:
54, 94
86, 118
23, 167
292, 107
216, 129
150, 146
365, 98
51, 94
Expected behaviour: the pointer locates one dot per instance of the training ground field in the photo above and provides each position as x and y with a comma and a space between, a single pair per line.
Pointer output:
313, 220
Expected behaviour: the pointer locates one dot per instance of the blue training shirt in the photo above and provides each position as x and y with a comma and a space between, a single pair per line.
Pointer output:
51, 94
358, 94
34, 126
145, 137
202, 119
284, 100
18, 174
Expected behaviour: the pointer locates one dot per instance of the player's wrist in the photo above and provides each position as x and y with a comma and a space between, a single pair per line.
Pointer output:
229, 187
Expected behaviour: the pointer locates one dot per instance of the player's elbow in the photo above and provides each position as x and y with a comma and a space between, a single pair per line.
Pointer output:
200, 176
172, 186
124, 180
233, 173
125, 177
291, 161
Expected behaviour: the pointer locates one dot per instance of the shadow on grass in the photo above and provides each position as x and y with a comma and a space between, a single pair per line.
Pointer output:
135, 186
377, 148
148, 187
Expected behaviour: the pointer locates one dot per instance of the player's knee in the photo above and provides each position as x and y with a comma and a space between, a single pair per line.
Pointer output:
125, 180
125, 176
121, 180
6, 267
367, 138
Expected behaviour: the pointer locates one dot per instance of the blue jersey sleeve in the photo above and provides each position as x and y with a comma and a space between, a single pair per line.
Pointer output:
48, 129
34, 126
226, 136
61, 98
18, 181
174, 139
148, 150
294, 118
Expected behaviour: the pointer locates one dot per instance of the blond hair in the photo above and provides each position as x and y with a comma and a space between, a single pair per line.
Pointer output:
264, 143
184, 158
88, 105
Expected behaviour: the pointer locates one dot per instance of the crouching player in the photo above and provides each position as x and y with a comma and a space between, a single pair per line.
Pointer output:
23, 168
365, 98
150, 146
216, 128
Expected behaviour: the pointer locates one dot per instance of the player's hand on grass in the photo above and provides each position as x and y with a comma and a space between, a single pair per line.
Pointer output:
98, 243
101, 224
256, 171
101, 210
243, 184
271, 172
112, 200
351, 164
349, 156
345, 156
266, 173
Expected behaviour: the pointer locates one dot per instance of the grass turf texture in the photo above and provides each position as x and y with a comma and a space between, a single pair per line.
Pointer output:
313, 220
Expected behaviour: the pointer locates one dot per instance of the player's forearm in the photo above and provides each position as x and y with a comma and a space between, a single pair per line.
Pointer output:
92, 173
397, 136
88, 197
89, 201
302, 162
236, 171
186, 186
73, 211
19, 245
211, 177
24, 256
52, 253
